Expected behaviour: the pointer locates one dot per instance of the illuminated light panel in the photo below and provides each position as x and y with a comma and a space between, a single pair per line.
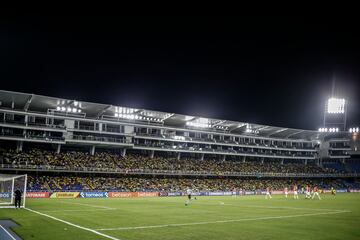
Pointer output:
336, 105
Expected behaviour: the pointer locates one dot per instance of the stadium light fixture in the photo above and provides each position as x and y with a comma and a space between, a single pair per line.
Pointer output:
328, 130
354, 130
336, 106
187, 118
199, 123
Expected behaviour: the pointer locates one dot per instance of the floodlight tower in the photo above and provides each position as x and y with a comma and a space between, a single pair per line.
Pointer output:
335, 113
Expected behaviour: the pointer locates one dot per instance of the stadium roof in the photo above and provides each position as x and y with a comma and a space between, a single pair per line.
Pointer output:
44, 104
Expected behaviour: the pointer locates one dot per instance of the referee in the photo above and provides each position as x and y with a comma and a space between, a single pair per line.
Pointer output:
17, 198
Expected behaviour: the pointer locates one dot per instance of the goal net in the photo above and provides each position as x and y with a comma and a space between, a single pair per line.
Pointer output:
8, 185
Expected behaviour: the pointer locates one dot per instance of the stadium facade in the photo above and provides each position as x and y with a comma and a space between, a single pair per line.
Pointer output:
63, 123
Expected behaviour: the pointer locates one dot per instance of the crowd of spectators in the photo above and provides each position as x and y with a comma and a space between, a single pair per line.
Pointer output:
137, 184
109, 161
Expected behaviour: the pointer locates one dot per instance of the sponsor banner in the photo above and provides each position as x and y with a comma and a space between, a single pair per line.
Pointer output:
341, 190
148, 194
37, 194
249, 193
65, 195
121, 194
216, 194
94, 195
5, 195
354, 190
196, 194
220, 193
132, 194
174, 194
278, 192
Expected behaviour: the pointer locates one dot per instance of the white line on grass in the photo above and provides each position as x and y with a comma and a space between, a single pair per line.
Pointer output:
88, 205
280, 207
69, 210
7, 232
270, 207
73, 225
219, 221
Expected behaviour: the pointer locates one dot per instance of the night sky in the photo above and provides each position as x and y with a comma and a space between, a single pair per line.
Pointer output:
267, 70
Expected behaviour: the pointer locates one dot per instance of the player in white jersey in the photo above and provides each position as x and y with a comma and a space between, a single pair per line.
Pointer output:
286, 192
268, 193
295, 189
308, 192
189, 193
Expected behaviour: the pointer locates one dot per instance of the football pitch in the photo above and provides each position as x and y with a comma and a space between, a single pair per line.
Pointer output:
244, 217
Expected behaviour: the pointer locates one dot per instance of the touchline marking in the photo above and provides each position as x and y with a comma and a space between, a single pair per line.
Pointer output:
88, 205
219, 221
73, 225
7, 232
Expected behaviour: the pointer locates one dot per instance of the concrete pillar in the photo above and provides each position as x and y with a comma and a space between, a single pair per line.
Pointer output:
151, 154
224, 157
262, 160
58, 149
123, 152
243, 159
202, 156
26, 120
178, 156
92, 150
305, 161
282, 161
19, 146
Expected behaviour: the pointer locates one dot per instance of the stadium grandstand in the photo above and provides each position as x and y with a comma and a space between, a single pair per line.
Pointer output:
71, 145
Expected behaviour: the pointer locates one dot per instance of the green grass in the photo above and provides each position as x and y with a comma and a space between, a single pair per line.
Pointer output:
242, 218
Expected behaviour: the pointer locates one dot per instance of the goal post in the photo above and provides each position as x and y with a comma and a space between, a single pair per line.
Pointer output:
8, 185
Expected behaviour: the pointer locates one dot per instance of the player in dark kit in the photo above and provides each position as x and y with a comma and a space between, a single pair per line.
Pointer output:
17, 198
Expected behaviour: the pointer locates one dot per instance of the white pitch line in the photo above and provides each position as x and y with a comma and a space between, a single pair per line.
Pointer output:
270, 207
69, 210
261, 206
88, 205
279, 207
7, 233
220, 221
73, 225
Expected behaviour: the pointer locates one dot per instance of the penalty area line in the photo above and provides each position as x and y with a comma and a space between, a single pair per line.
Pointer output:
220, 221
72, 224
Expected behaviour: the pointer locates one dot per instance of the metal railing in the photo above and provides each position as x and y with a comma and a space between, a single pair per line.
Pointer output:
229, 142
35, 137
22, 123
98, 139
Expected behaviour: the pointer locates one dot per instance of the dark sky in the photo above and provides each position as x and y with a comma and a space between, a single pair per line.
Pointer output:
267, 70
